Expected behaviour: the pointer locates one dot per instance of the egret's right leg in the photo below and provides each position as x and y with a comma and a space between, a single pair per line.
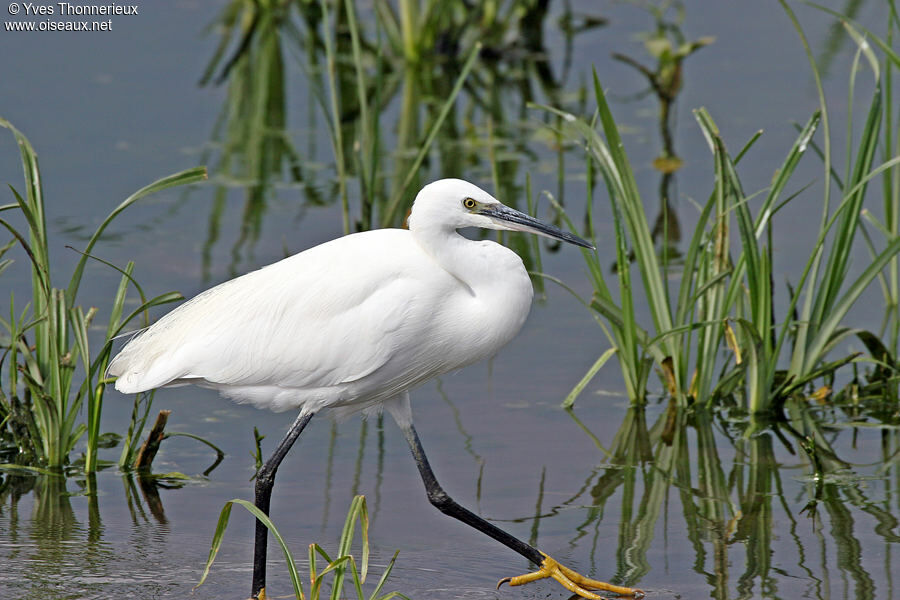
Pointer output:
571, 580
265, 480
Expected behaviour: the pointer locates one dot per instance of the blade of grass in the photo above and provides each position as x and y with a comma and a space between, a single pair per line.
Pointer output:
390, 214
219, 535
579, 387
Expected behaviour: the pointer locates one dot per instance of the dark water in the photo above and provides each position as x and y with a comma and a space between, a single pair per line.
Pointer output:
716, 512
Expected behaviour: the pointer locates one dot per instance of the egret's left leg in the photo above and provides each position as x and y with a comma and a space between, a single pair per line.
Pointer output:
568, 578
265, 480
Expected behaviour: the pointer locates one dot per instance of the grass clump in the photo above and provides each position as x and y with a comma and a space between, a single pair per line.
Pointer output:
336, 570
724, 301
50, 369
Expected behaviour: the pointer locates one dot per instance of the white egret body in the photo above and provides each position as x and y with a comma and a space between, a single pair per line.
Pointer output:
355, 320
354, 323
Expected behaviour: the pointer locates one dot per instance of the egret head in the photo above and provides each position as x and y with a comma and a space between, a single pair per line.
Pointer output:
454, 204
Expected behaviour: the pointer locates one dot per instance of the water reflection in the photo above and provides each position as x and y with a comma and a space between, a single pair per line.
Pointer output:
55, 544
762, 517
468, 442
754, 509
54, 527
377, 127
252, 149
50, 537
669, 48
148, 488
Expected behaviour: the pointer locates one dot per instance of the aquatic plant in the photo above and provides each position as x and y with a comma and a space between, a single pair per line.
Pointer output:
400, 92
52, 370
725, 298
337, 569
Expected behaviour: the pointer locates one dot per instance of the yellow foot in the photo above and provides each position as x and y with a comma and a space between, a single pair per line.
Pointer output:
259, 596
572, 581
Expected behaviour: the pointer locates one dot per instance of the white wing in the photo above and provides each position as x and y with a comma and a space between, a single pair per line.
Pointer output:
325, 317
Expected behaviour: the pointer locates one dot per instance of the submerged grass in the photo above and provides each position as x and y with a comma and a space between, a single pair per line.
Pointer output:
52, 371
336, 570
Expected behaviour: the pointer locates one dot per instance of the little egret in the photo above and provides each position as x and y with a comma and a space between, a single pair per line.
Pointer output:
353, 324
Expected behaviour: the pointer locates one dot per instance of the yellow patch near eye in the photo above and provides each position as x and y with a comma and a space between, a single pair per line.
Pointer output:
469, 203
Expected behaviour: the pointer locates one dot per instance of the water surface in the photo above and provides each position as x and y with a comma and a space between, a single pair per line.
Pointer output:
701, 511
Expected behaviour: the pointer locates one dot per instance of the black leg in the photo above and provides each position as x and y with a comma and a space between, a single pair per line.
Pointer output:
571, 580
265, 479
444, 503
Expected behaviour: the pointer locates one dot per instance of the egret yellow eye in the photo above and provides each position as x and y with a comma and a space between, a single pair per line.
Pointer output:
469, 203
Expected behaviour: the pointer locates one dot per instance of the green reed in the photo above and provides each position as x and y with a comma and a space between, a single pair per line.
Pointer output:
345, 565
52, 370
889, 225
364, 148
635, 348
725, 297
422, 58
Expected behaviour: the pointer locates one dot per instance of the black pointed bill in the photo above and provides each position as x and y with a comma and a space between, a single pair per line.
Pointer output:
511, 219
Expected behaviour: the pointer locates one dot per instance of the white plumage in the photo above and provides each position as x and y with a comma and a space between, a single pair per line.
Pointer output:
353, 324
353, 321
